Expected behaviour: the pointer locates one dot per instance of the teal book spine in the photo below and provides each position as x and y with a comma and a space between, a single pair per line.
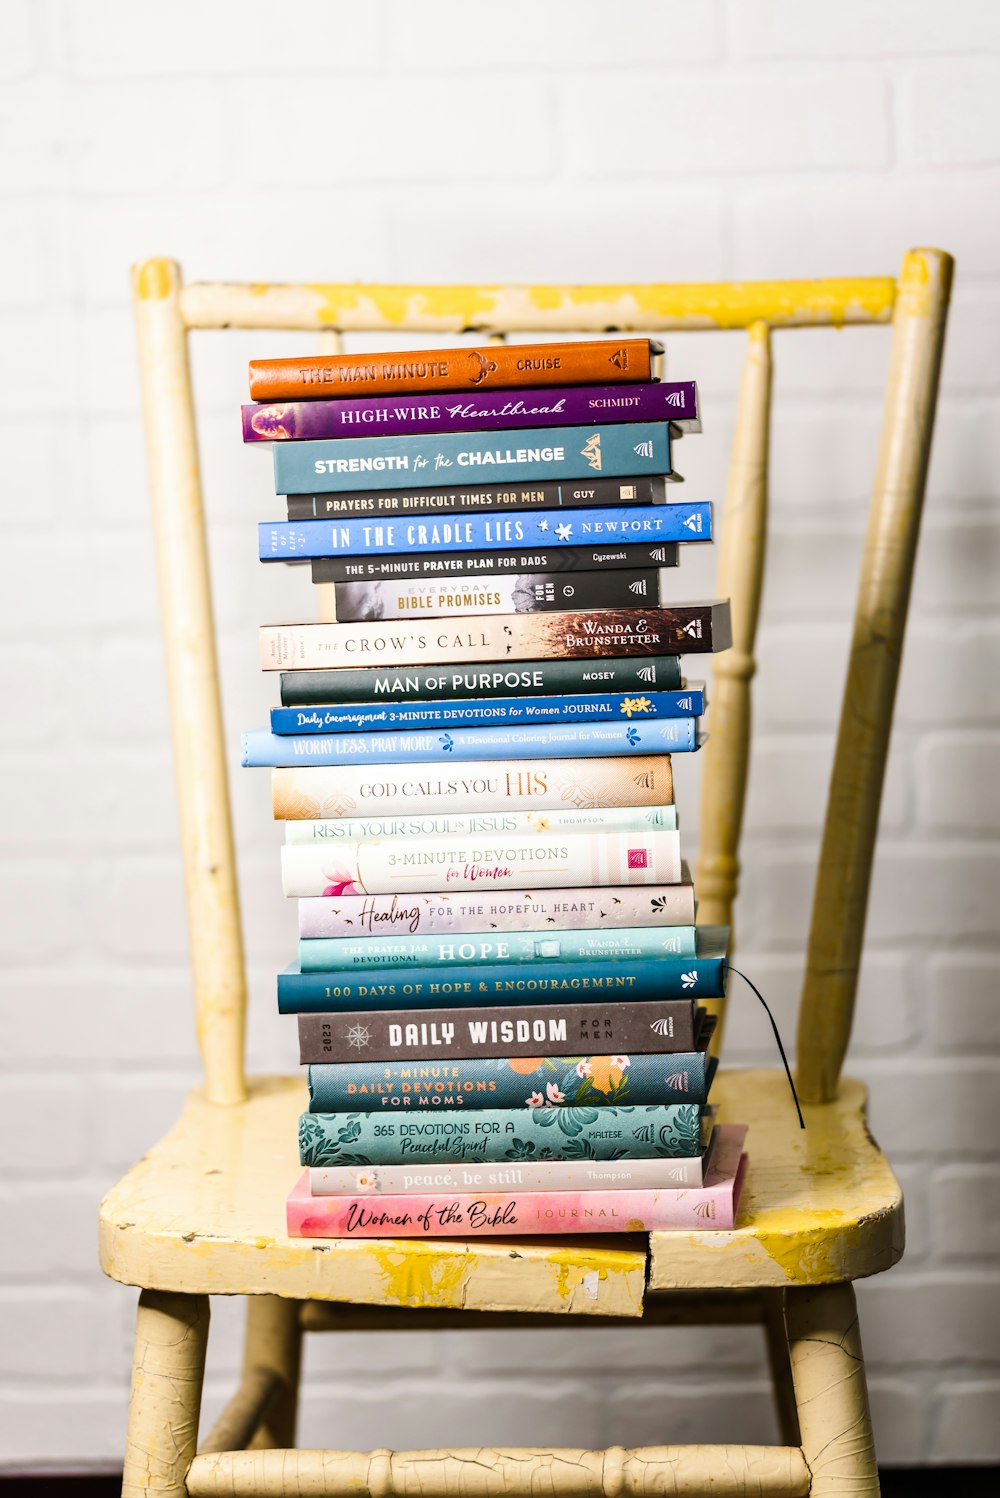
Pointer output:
346, 954
510, 1082
670, 1132
453, 457
465, 987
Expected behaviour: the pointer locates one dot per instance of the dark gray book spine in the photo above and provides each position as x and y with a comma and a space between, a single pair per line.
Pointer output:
528, 1030
496, 678
492, 563
643, 489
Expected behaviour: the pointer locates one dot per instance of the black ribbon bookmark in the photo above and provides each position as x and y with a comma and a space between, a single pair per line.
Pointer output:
781, 1048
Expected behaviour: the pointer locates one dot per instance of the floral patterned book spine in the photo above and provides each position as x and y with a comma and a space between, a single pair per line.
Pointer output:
464, 1214
669, 1132
546, 1029
540, 1175
347, 953
469, 824
510, 1082
310, 792
385, 866
403, 416
510, 910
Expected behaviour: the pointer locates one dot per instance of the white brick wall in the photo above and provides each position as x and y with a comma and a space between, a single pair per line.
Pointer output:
402, 140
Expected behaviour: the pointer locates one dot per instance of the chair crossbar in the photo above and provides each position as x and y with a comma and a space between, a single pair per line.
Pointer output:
244, 1413
653, 308
691, 1471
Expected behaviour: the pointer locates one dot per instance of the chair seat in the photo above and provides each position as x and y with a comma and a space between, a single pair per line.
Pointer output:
203, 1213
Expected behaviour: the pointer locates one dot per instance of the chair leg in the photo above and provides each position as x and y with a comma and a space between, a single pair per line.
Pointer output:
171, 1334
776, 1338
831, 1395
274, 1340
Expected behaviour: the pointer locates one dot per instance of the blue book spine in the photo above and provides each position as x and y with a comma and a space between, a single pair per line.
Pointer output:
462, 713
344, 954
698, 977
667, 1131
283, 541
535, 741
453, 457
478, 1082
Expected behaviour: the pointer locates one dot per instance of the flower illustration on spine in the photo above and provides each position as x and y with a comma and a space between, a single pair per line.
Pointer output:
536, 1100
553, 1097
632, 736
636, 705
583, 1068
447, 742
341, 882
606, 1072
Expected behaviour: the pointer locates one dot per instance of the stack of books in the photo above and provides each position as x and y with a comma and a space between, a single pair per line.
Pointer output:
499, 975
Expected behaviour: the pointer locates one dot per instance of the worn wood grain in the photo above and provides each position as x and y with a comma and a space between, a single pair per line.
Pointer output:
646, 1472
742, 529
205, 1210
840, 902
820, 1205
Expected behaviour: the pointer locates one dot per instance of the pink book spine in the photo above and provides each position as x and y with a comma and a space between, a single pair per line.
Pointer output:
575, 909
467, 1214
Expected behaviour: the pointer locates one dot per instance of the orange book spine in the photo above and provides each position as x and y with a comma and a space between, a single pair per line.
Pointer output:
497, 366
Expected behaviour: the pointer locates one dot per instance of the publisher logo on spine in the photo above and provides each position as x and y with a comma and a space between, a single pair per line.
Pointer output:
638, 858
591, 450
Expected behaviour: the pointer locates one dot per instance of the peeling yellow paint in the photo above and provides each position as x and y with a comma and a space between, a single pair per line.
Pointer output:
858, 299
546, 309
805, 1241
819, 1206
154, 280
396, 305
569, 1277
917, 293
415, 1274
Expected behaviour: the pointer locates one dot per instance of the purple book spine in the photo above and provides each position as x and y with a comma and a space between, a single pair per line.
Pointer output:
414, 415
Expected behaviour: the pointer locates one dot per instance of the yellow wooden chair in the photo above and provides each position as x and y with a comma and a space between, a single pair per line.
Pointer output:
202, 1214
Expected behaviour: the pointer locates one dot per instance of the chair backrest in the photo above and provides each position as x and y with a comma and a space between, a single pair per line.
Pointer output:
916, 307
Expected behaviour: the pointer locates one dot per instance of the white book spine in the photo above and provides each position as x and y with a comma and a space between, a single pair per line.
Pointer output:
435, 864
508, 1175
